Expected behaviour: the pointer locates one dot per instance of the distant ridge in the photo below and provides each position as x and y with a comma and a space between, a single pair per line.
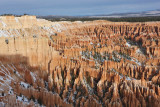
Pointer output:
130, 14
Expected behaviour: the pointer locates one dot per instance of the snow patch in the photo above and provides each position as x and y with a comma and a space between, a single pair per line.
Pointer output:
23, 99
16, 19
128, 78
4, 24
128, 44
91, 43
25, 85
33, 76
136, 61
139, 51
3, 33
57, 27
48, 29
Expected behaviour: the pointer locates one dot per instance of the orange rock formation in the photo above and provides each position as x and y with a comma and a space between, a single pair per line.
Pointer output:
97, 63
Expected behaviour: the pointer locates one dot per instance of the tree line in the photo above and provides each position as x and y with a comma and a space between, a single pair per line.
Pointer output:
122, 19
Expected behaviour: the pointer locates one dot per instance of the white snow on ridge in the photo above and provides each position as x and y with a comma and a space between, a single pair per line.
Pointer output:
4, 24
57, 27
6, 33
78, 21
16, 19
38, 20
3, 33
48, 29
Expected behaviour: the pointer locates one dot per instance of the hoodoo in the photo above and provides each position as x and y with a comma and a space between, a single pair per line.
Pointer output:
91, 63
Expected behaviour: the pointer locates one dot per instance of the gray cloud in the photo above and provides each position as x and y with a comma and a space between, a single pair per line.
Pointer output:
76, 7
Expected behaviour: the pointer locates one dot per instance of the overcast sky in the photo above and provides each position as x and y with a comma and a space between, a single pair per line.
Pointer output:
76, 7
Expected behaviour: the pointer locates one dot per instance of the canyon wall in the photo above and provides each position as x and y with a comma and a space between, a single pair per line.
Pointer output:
94, 63
37, 50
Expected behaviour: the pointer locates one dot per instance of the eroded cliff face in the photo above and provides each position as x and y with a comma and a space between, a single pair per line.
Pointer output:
96, 63
37, 50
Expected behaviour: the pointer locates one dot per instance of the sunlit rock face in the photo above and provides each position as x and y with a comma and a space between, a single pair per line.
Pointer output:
11, 22
96, 63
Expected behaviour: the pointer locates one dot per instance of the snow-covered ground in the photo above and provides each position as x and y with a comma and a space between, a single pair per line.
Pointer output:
57, 27
48, 29
5, 81
26, 101
23, 99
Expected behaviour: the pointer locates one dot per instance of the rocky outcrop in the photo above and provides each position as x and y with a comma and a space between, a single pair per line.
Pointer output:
97, 63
